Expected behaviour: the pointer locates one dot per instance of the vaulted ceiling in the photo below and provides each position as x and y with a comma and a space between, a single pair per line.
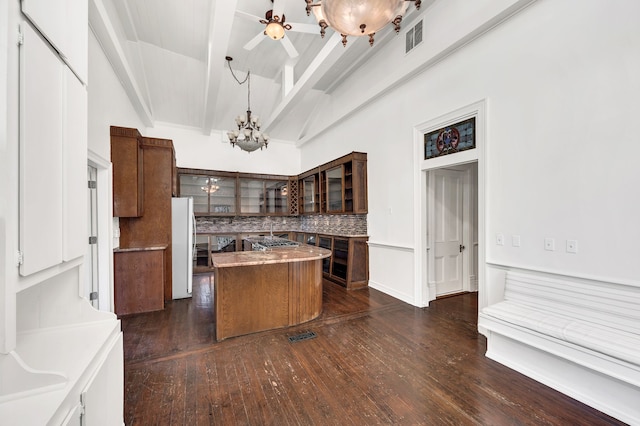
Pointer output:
170, 57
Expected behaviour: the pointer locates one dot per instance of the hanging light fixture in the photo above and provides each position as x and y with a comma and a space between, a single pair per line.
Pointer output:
275, 26
211, 186
358, 17
248, 136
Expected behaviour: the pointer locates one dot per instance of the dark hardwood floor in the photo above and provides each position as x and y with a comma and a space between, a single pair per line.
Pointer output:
375, 360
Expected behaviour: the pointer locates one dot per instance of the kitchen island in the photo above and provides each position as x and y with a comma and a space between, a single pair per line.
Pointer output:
263, 290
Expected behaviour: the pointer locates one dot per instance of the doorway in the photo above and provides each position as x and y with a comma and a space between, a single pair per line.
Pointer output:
452, 229
471, 163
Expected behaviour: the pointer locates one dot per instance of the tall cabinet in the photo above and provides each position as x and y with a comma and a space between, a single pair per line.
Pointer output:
145, 235
61, 361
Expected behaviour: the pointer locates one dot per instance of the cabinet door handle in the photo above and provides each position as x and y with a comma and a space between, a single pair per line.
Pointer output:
461, 248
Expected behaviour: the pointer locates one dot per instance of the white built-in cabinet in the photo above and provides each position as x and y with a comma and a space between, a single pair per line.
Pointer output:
63, 22
61, 360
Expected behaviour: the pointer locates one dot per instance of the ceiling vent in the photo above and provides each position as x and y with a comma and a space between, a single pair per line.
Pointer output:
413, 37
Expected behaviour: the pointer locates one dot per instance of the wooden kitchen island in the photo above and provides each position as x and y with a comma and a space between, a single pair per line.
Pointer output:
262, 290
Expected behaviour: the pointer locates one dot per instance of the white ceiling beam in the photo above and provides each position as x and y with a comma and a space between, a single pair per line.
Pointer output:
220, 23
325, 59
287, 78
102, 27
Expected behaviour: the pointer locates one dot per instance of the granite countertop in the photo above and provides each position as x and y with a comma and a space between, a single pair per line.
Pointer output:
301, 253
331, 234
122, 250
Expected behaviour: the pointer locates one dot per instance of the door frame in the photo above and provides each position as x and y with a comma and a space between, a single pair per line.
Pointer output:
105, 231
423, 293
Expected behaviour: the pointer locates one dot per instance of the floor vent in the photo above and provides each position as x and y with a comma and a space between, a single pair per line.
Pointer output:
304, 336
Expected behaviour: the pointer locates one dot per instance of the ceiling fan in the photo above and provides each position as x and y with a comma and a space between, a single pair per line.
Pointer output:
274, 20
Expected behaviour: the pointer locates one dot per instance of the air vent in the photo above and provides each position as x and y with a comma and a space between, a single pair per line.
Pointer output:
413, 37
303, 336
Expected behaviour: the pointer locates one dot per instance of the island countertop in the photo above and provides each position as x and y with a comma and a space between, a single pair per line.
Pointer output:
302, 253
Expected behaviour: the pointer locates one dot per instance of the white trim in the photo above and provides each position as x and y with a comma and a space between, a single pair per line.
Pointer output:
568, 274
392, 292
423, 289
390, 246
105, 230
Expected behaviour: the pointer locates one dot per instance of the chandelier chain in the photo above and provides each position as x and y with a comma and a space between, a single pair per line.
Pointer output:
247, 79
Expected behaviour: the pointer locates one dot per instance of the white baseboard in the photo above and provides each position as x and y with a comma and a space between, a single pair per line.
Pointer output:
394, 293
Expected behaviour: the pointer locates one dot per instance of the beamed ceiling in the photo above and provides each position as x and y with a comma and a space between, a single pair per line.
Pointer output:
170, 57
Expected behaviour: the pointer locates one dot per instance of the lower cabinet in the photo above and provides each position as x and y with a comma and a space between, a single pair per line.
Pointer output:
138, 280
349, 261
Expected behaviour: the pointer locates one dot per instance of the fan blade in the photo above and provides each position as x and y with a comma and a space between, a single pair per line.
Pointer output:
249, 16
288, 46
304, 28
255, 41
278, 8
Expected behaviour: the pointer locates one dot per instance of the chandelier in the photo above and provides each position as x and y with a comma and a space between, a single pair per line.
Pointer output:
358, 17
248, 135
211, 186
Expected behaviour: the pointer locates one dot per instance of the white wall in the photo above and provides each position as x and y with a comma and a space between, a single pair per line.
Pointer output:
198, 151
562, 96
108, 102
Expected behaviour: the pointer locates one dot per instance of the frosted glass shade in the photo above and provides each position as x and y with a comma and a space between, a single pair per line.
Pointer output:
348, 16
275, 31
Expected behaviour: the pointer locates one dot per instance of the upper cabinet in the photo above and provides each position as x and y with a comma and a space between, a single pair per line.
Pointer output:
217, 193
309, 199
342, 186
212, 193
266, 196
64, 24
337, 187
53, 146
128, 172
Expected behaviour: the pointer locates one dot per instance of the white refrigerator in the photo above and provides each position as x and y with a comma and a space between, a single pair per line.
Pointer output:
182, 241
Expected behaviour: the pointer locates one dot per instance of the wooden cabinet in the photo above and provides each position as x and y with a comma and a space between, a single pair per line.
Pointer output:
217, 193
128, 172
349, 261
264, 196
139, 274
309, 193
153, 228
343, 185
337, 187
213, 193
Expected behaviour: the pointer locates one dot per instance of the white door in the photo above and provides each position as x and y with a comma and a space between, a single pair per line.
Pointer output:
448, 249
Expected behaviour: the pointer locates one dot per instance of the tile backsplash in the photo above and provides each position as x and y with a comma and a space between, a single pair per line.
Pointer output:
347, 225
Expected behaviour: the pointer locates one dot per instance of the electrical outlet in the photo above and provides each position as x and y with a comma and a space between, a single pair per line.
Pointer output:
549, 244
572, 246
500, 239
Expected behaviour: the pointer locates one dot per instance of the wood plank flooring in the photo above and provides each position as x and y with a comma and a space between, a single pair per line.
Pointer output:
375, 361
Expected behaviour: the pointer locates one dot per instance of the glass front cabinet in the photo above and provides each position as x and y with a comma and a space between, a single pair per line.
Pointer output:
337, 187
231, 194
213, 194
309, 199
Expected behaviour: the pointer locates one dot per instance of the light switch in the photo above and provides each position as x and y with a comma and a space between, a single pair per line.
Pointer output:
572, 246
500, 239
549, 244
515, 240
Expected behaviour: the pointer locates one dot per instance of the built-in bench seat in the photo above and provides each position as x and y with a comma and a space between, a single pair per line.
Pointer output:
579, 337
